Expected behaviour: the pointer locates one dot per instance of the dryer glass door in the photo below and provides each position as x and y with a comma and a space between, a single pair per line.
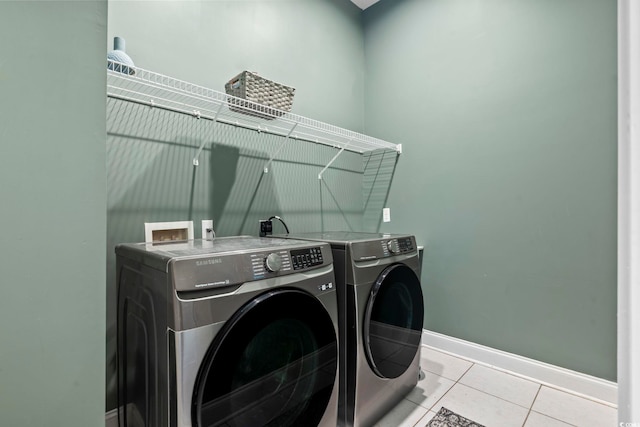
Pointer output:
273, 364
393, 321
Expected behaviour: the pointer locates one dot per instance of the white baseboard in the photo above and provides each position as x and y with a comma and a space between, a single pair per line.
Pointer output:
111, 418
554, 376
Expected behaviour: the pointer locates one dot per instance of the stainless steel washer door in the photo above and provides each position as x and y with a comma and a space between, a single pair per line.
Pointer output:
273, 364
393, 321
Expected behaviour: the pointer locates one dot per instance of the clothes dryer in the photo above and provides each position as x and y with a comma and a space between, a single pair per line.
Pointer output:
237, 331
381, 314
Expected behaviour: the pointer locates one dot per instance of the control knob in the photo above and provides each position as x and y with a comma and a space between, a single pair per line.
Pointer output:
393, 247
273, 262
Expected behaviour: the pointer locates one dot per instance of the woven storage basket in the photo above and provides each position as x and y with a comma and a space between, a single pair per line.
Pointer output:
274, 98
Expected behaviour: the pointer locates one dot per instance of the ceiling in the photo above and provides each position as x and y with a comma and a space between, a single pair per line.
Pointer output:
363, 4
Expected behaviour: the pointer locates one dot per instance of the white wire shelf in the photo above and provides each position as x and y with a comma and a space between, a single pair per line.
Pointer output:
159, 91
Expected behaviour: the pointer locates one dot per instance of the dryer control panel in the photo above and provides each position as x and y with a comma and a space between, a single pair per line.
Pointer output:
383, 248
397, 246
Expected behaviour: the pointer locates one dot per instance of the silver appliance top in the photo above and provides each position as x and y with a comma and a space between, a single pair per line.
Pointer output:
224, 261
363, 246
219, 245
337, 237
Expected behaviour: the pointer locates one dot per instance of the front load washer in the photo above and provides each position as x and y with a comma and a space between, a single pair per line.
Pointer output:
238, 331
381, 316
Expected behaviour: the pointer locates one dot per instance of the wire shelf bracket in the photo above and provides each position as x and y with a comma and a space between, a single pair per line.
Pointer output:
286, 139
196, 162
331, 162
159, 91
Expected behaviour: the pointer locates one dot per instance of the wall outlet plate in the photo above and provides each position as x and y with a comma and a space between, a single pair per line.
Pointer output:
386, 215
207, 229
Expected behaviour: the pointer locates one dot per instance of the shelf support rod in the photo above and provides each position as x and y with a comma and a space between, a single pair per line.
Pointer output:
332, 160
204, 141
286, 139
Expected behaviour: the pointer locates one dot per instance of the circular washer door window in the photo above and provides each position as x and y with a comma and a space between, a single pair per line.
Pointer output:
393, 321
273, 364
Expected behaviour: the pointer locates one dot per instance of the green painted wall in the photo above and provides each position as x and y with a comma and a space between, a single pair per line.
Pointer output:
507, 114
53, 193
313, 45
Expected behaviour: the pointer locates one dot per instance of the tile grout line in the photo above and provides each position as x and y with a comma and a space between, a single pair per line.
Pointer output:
501, 398
450, 388
425, 414
555, 419
547, 415
531, 407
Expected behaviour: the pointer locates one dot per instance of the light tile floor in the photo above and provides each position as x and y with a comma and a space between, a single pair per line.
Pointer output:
493, 398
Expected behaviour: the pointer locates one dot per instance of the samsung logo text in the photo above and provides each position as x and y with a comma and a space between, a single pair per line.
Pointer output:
209, 261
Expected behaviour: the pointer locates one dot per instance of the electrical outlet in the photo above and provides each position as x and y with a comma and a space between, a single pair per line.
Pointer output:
207, 229
266, 227
386, 215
